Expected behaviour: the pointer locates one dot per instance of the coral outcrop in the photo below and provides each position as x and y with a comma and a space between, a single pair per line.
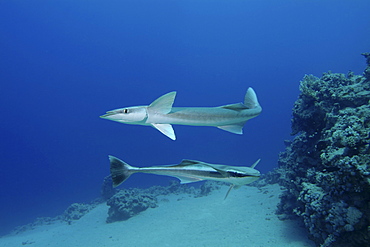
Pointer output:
107, 190
123, 203
326, 168
128, 203
75, 211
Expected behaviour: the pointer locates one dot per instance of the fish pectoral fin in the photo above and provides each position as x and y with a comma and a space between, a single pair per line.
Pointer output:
228, 191
230, 188
186, 180
164, 103
233, 128
165, 129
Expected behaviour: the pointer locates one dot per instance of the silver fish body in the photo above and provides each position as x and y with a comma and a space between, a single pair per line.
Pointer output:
188, 171
160, 114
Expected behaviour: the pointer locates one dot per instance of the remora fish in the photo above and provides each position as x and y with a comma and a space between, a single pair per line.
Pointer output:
188, 171
160, 114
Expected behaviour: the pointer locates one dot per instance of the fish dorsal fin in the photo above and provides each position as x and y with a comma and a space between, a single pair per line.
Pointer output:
255, 163
235, 107
196, 162
165, 129
185, 163
234, 128
164, 103
200, 163
188, 178
250, 99
189, 162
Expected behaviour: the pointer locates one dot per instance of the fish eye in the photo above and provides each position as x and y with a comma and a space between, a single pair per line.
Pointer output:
124, 111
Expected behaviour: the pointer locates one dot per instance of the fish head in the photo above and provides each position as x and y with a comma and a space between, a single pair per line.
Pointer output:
243, 175
133, 115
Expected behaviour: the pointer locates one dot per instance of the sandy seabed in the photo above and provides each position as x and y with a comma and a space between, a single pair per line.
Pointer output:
246, 218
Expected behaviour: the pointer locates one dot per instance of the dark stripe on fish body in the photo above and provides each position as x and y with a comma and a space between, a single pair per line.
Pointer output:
239, 175
179, 172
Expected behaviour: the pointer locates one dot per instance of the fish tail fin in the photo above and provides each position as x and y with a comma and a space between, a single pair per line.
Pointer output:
250, 99
119, 170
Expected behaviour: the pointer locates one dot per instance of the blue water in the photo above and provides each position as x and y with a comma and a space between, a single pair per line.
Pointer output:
64, 63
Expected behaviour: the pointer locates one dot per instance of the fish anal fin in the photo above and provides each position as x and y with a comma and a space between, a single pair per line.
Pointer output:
163, 104
233, 128
186, 180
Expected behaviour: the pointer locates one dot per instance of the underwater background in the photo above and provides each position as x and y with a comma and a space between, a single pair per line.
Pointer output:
65, 63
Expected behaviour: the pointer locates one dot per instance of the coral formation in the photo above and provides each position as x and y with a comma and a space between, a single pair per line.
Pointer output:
207, 187
31, 226
107, 190
127, 203
124, 203
326, 168
75, 211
